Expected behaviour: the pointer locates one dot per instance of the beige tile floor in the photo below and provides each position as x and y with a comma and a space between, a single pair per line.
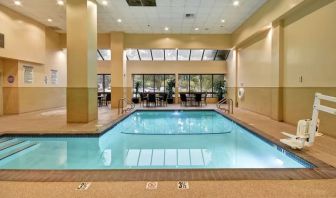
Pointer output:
54, 120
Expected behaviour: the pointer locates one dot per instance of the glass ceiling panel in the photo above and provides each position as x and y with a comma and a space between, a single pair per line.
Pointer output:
221, 55
158, 55
145, 54
183, 55
132, 54
98, 56
209, 54
106, 53
196, 55
170, 54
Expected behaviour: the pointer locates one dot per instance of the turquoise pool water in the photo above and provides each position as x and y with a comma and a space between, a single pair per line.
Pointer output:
153, 140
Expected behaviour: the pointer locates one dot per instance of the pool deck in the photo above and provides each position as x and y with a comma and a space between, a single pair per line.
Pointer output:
54, 121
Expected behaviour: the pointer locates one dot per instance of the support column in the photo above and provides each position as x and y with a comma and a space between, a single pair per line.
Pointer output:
118, 76
81, 61
277, 71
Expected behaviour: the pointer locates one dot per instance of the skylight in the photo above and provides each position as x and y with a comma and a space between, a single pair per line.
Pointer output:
183, 55
132, 54
104, 54
158, 54
196, 55
145, 54
176, 55
171, 54
141, 2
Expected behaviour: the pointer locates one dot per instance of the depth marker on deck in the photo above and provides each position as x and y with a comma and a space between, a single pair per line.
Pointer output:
183, 185
151, 185
84, 186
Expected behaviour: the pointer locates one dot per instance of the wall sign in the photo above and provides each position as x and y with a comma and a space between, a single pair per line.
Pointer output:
10, 79
2, 40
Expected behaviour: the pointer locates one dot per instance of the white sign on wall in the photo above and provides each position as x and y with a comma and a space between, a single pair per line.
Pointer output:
27, 74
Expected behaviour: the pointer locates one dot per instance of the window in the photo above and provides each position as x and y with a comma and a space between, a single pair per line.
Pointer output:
196, 55
158, 55
104, 54
28, 74
189, 83
171, 55
104, 83
174, 55
53, 77
145, 54
154, 83
183, 55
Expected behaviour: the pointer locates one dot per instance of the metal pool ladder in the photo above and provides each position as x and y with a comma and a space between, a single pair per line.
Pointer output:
228, 108
123, 105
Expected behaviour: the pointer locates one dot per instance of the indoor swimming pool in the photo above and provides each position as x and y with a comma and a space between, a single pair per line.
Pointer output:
170, 139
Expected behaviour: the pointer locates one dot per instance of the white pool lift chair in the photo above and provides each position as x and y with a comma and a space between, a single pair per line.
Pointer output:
308, 129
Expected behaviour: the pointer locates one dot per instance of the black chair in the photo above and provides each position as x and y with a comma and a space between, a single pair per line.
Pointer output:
198, 99
151, 99
183, 99
108, 98
143, 99
163, 99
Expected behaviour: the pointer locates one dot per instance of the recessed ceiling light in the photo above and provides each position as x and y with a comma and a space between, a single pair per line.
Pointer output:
166, 28
60, 2
18, 3
223, 20
119, 20
196, 29
236, 3
49, 20
104, 3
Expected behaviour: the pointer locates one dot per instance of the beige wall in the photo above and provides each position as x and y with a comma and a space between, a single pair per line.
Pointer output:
270, 62
178, 41
309, 46
1, 95
24, 37
28, 42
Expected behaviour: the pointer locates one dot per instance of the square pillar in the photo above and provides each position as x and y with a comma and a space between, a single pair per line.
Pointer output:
81, 19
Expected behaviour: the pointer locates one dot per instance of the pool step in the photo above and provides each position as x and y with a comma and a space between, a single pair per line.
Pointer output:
17, 150
10, 143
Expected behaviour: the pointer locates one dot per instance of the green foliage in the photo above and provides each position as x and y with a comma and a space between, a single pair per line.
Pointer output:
171, 85
220, 88
137, 85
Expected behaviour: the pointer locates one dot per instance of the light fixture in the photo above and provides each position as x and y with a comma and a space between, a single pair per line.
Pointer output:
166, 28
17, 2
119, 20
104, 3
49, 20
60, 2
196, 29
236, 3
223, 20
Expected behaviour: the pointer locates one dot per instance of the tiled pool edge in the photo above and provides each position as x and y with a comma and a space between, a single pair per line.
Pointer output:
321, 171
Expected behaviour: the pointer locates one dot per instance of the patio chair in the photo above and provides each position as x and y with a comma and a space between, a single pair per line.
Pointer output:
163, 99
183, 99
151, 99
198, 99
143, 99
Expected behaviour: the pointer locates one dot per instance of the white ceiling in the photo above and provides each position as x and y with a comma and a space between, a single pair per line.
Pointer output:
167, 13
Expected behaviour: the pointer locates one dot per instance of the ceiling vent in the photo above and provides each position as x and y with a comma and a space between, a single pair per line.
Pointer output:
2, 40
141, 2
189, 16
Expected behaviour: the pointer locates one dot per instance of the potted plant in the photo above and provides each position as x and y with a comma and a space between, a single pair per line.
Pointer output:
136, 99
220, 88
170, 87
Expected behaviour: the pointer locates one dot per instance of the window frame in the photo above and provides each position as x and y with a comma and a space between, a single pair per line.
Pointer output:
165, 75
103, 75
212, 94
